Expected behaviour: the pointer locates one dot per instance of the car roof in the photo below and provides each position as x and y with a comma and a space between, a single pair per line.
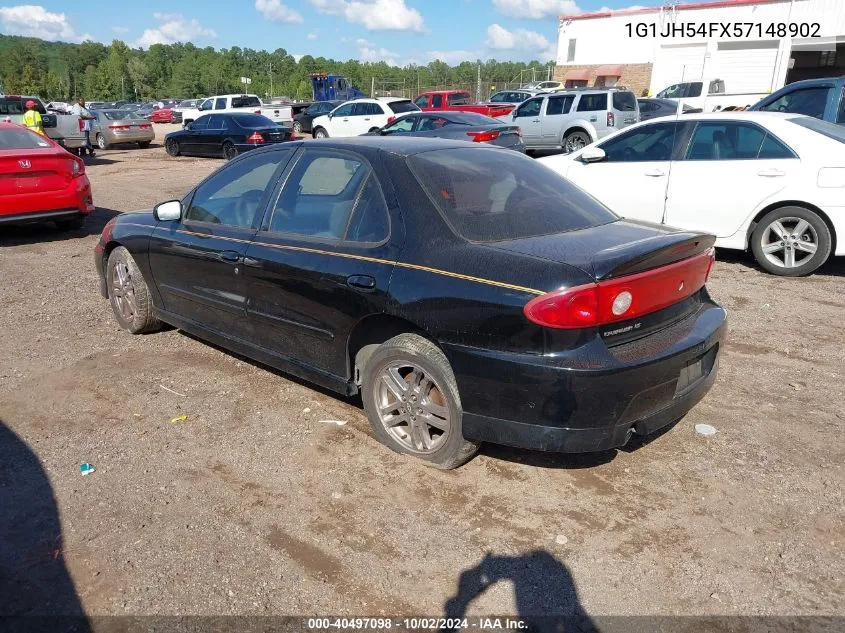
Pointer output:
813, 82
740, 115
398, 145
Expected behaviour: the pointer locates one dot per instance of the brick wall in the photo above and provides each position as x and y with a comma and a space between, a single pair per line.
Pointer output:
635, 77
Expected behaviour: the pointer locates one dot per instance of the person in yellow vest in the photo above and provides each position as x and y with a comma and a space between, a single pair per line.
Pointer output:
32, 118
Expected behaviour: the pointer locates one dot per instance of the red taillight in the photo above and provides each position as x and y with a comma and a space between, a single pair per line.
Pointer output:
611, 120
391, 120
258, 112
255, 137
620, 299
81, 125
116, 126
483, 137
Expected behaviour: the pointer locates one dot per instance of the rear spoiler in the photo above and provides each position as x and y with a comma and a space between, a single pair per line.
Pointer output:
653, 252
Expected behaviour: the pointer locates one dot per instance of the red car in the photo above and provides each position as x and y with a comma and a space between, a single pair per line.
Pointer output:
461, 101
40, 181
162, 115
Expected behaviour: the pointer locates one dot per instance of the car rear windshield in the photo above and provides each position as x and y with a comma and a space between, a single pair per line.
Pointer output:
489, 195
116, 115
19, 138
18, 105
830, 130
472, 118
624, 101
246, 102
399, 107
253, 121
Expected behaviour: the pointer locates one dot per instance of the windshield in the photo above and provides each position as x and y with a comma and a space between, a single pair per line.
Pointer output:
830, 130
489, 195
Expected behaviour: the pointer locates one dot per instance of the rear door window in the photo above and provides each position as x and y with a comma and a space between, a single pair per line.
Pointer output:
559, 105
437, 101
220, 104
460, 98
488, 195
732, 140
216, 122
592, 103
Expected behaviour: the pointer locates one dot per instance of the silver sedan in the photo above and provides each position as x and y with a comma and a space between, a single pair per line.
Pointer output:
112, 127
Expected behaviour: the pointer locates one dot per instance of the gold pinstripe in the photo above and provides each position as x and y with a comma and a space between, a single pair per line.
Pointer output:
364, 258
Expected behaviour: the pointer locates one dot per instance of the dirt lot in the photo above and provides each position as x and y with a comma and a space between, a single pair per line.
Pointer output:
252, 506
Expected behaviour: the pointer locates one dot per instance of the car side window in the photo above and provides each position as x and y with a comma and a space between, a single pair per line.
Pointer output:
809, 101
374, 108
648, 143
733, 140
344, 110
207, 105
694, 89
458, 99
592, 103
559, 105
840, 116
215, 122
529, 108
233, 195
220, 104
437, 101
422, 102
201, 123
321, 194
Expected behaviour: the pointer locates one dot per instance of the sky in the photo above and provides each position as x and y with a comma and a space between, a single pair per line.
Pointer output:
396, 31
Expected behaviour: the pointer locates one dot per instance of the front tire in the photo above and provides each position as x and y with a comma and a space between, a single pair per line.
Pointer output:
791, 242
321, 133
412, 402
129, 294
229, 151
172, 147
102, 143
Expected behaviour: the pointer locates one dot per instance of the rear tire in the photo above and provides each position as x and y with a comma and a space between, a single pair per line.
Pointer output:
172, 147
229, 151
297, 127
320, 133
412, 375
791, 241
71, 224
102, 143
373, 129
129, 295
575, 140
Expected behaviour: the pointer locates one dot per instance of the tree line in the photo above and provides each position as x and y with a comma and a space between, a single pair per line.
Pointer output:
58, 71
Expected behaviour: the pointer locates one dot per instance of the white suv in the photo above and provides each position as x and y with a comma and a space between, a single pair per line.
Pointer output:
360, 116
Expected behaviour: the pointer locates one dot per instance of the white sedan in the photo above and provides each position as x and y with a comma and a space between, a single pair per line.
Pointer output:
360, 116
771, 182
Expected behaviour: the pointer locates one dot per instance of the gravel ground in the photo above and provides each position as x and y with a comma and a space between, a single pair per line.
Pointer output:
253, 506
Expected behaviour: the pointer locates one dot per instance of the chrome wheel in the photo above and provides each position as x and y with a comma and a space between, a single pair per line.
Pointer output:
412, 407
123, 291
789, 242
574, 142
101, 142
297, 127
321, 133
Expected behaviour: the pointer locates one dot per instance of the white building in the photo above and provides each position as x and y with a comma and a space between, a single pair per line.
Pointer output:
767, 44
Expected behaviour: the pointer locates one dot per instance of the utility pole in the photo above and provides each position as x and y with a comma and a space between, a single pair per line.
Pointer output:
122, 87
271, 80
478, 85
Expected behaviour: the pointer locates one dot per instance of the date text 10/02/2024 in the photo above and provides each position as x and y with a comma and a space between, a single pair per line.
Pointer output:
731, 30
417, 624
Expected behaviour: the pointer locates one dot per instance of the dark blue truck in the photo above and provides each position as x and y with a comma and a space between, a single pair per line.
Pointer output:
820, 98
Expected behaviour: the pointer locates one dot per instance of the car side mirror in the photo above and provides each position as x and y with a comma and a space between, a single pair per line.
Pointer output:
189, 125
592, 155
330, 115
168, 211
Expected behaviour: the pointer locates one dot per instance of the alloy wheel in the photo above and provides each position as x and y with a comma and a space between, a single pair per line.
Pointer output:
789, 242
297, 127
101, 141
575, 142
123, 291
412, 407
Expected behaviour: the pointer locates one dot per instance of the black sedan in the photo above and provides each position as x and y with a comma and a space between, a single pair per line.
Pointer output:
302, 120
467, 293
651, 108
459, 126
225, 135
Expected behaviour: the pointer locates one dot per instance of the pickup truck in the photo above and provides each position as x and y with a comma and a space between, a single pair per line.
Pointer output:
461, 101
237, 103
820, 98
62, 128
692, 93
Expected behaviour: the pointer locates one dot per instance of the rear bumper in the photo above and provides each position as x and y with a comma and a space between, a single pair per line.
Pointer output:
592, 398
116, 138
71, 202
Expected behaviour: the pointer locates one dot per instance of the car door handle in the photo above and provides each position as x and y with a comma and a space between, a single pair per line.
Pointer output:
367, 119
535, 120
230, 257
771, 173
363, 282
593, 118
655, 173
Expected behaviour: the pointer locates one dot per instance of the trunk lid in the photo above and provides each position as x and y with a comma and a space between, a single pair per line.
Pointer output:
622, 248
31, 171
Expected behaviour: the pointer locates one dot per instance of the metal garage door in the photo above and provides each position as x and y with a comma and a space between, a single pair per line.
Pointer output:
746, 66
674, 64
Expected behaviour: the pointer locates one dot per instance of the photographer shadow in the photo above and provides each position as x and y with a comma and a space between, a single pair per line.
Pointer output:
545, 594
